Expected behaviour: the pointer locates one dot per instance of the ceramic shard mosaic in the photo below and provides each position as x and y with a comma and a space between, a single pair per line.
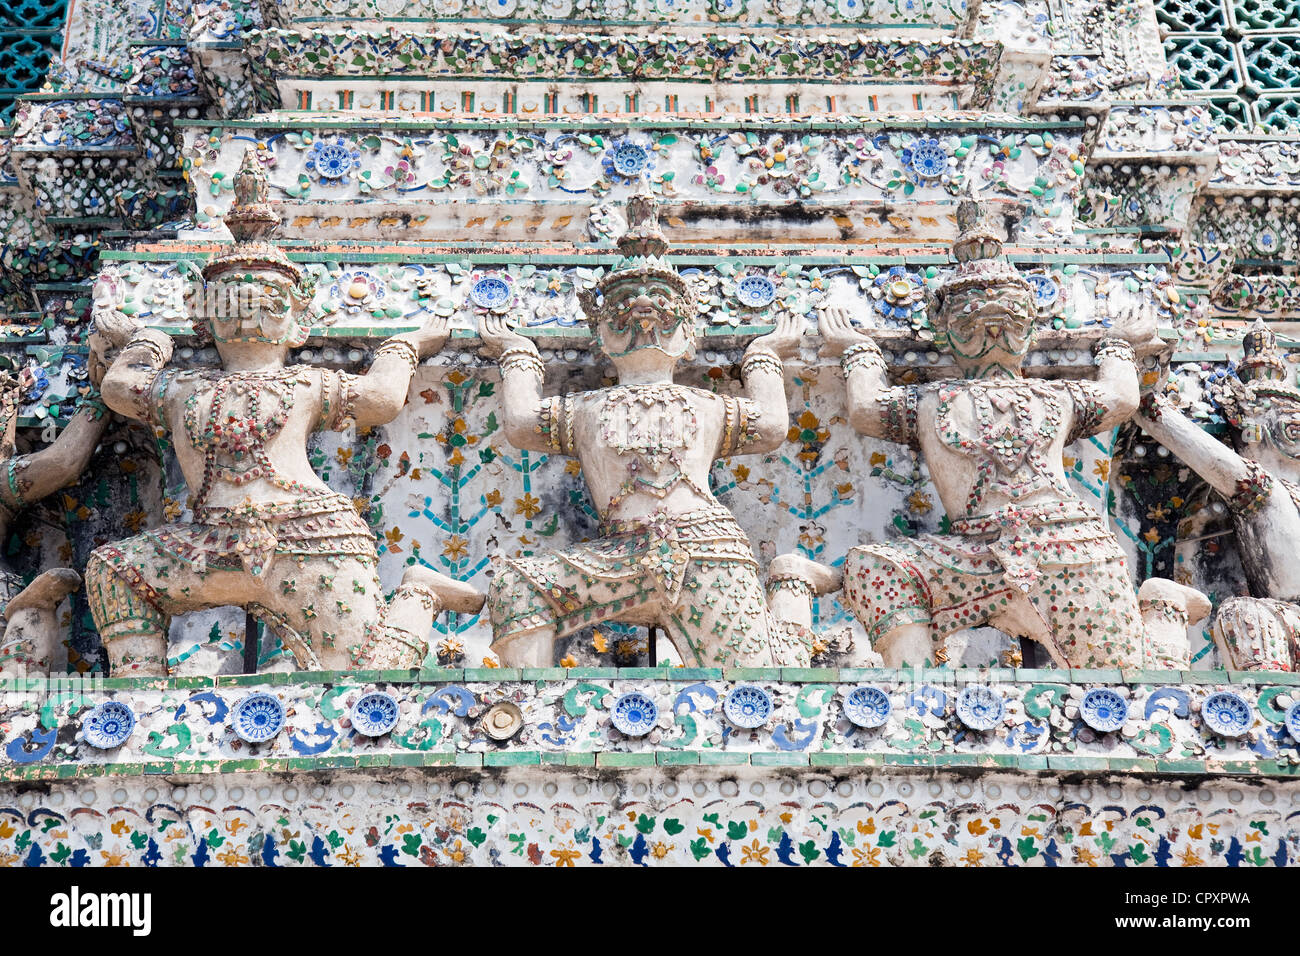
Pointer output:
633, 432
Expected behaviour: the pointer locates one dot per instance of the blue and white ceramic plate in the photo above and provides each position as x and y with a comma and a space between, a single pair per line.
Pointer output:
980, 708
748, 706
867, 707
257, 718
629, 159
634, 714
374, 714
490, 292
1293, 721
755, 291
108, 725
1103, 710
1227, 714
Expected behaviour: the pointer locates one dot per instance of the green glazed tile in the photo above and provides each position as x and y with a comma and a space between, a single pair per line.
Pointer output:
722, 758
512, 758
672, 758
810, 674
625, 760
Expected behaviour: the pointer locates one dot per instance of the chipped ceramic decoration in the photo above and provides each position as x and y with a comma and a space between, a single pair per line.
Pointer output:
502, 721
1292, 721
324, 319
1103, 710
867, 707
257, 718
634, 714
755, 291
748, 706
1227, 714
108, 725
980, 708
375, 714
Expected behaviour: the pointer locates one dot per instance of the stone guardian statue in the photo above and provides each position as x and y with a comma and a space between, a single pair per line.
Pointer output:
268, 534
1024, 554
1260, 482
669, 554
30, 630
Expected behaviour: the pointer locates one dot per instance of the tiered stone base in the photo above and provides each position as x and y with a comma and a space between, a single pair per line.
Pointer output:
807, 788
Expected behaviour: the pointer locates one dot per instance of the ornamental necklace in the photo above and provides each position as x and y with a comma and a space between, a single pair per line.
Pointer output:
1001, 447
652, 425
242, 436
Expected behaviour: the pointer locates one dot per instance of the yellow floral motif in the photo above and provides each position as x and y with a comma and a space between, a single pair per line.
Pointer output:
565, 857
528, 506
349, 856
493, 498
489, 662
115, 859
1157, 513
1102, 469
1190, 858
754, 853
1084, 856
455, 853
568, 661
573, 467
869, 856
973, 857
599, 642
659, 850
456, 548
232, 857
919, 502
234, 826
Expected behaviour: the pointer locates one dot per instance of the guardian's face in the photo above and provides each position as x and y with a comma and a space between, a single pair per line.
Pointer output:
1272, 422
254, 307
651, 316
989, 326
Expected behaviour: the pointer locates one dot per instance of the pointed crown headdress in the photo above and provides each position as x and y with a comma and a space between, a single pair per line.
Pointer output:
641, 249
978, 251
1262, 373
252, 220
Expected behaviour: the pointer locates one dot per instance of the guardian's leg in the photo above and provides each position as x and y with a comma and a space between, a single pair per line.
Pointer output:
131, 615
32, 632
890, 598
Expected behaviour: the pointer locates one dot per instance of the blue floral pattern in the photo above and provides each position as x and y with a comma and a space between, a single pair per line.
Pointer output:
634, 714
748, 706
980, 708
374, 714
867, 707
1103, 710
1227, 714
108, 725
257, 718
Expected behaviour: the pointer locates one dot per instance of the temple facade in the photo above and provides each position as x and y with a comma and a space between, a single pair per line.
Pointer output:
635, 432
